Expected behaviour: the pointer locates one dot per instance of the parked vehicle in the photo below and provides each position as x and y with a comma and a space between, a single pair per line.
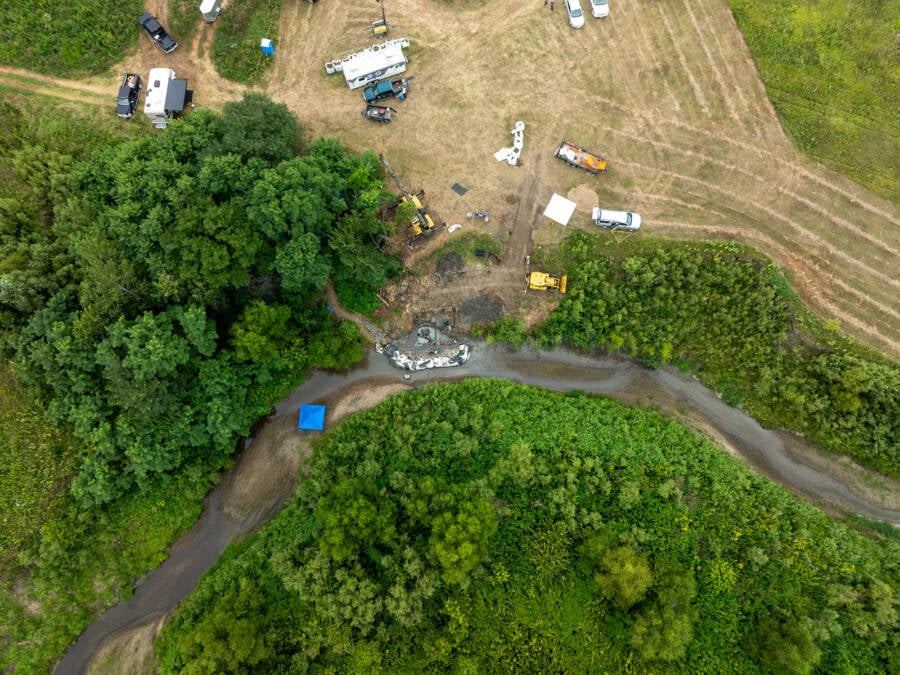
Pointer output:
210, 9
374, 63
576, 15
541, 281
166, 96
580, 158
625, 221
129, 91
599, 8
379, 113
157, 33
387, 89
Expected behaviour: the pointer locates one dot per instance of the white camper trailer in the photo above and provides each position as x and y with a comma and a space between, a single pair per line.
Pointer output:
210, 9
165, 96
373, 63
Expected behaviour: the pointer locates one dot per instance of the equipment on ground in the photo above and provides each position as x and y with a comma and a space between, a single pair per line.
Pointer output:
541, 281
580, 158
422, 222
378, 113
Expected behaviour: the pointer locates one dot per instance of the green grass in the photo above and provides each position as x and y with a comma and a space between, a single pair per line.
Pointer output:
65, 38
830, 68
183, 21
235, 48
466, 244
35, 462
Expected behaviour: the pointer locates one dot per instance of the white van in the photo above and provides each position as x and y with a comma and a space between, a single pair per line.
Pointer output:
576, 15
616, 220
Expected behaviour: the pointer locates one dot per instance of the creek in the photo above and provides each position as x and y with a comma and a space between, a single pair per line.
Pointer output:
198, 549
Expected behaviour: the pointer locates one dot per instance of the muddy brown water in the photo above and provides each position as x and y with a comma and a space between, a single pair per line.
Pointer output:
198, 549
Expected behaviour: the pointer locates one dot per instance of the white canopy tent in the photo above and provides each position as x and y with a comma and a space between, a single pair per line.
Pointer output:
559, 209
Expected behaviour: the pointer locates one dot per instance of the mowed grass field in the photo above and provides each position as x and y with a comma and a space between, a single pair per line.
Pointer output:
668, 93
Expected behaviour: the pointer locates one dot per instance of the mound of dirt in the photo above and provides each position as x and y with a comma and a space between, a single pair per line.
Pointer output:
481, 309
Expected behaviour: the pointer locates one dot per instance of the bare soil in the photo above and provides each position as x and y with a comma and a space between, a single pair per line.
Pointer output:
129, 652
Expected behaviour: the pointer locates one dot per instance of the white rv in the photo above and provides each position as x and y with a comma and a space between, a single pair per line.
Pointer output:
165, 96
373, 63
210, 9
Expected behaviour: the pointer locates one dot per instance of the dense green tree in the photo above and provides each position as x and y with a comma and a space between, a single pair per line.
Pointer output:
256, 126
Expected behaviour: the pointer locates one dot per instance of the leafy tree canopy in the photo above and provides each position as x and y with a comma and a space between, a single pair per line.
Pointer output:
480, 527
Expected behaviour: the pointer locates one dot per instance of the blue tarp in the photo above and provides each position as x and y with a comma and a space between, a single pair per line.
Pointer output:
312, 417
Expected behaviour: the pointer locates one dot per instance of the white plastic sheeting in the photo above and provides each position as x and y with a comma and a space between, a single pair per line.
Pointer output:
511, 155
404, 362
560, 209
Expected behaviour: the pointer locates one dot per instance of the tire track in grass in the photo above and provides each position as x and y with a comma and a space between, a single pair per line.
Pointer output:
725, 92
794, 165
698, 91
766, 184
733, 197
650, 67
654, 66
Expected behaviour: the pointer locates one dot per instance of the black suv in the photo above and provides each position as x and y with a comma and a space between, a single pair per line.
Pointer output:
128, 95
159, 34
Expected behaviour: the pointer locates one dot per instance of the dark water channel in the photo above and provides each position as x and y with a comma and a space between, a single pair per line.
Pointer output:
199, 548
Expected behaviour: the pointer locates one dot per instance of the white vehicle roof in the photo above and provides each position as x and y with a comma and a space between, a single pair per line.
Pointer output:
157, 84
370, 61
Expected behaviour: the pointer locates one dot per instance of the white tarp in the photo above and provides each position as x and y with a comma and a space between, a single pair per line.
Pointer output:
560, 209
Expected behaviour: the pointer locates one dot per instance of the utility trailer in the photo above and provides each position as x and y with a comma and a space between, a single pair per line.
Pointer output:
580, 158
374, 63
378, 113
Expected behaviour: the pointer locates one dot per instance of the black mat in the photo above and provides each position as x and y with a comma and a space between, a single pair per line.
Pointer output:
459, 189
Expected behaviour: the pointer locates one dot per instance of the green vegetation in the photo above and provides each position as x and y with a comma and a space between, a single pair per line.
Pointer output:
491, 527
157, 294
183, 20
78, 561
468, 243
830, 69
58, 38
160, 295
235, 47
729, 312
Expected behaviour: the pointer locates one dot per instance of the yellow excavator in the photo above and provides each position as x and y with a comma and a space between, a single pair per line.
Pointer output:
541, 281
421, 222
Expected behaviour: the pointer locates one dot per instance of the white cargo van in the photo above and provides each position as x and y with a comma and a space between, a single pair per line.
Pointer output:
616, 220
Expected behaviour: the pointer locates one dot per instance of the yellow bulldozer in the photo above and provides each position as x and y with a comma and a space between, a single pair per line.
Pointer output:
541, 281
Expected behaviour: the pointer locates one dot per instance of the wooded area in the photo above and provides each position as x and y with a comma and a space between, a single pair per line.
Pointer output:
157, 294
727, 312
162, 293
491, 527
